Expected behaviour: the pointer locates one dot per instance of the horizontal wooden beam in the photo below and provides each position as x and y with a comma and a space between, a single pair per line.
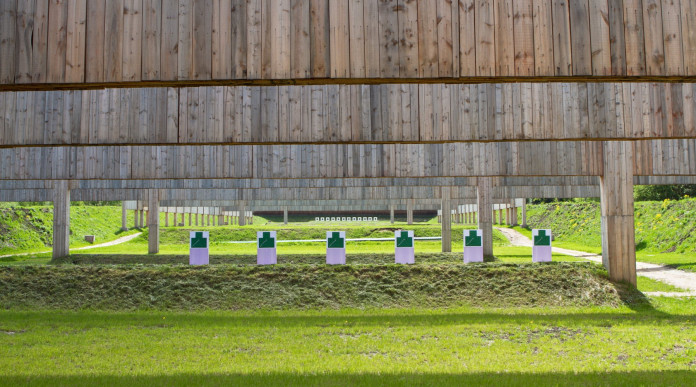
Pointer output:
576, 158
197, 40
389, 113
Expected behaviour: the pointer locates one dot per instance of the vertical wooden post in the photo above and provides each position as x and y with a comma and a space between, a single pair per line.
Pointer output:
508, 214
182, 218
166, 219
513, 213
142, 220
124, 217
409, 211
61, 219
285, 215
446, 226
524, 212
135, 218
391, 214
189, 216
616, 192
485, 213
153, 221
242, 213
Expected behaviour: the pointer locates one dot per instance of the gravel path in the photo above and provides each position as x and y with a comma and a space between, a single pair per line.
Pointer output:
681, 279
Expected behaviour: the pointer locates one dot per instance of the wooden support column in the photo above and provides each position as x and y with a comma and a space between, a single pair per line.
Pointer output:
524, 213
242, 214
616, 193
141, 214
484, 189
153, 221
124, 217
508, 214
189, 216
391, 214
135, 218
409, 211
61, 219
285, 215
221, 220
166, 219
513, 213
182, 219
446, 226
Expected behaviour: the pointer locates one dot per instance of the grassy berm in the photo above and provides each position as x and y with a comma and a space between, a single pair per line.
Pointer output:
307, 286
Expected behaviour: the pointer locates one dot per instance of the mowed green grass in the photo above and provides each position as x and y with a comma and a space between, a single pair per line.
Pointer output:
641, 344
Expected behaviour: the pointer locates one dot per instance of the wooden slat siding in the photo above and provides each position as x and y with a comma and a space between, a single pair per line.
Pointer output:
445, 37
485, 38
221, 35
345, 111
185, 39
388, 39
689, 110
504, 38
26, 17
75, 41
672, 30
580, 37
152, 38
319, 38
600, 44
524, 37
254, 39
408, 38
39, 50
113, 40
635, 41
654, 41
8, 41
339, 31
467, 38
562, 54
543, 38
617, 39
300, 39
202, 39
677, 110
427, 40
688, 25
280, 39
132, 40
57, 42
169, 47
371, 32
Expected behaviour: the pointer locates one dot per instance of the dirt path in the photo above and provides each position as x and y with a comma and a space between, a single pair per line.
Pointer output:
681, 279
105, 244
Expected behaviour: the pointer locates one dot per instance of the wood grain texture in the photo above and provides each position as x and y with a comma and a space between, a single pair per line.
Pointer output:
79, 41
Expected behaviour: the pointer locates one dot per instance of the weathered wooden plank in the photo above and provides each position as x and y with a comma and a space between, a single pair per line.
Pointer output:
504, 38
132, 40
319, 38
600, 41
580, 37
543, 38
8, 29
445, 37
688, 25
617, 40
672, 30
26, 17
113, 40
169, 49
339, 31
485, 38
654, 40
57, 40
524, 37
467, 38
202, 39
185, 40
388, 39
635, 41
408, 38
562, 52
300, 39
222, 40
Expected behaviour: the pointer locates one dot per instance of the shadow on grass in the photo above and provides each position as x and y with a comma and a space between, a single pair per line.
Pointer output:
366, 379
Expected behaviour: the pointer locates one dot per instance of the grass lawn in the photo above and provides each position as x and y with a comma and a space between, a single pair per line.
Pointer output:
642, 344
